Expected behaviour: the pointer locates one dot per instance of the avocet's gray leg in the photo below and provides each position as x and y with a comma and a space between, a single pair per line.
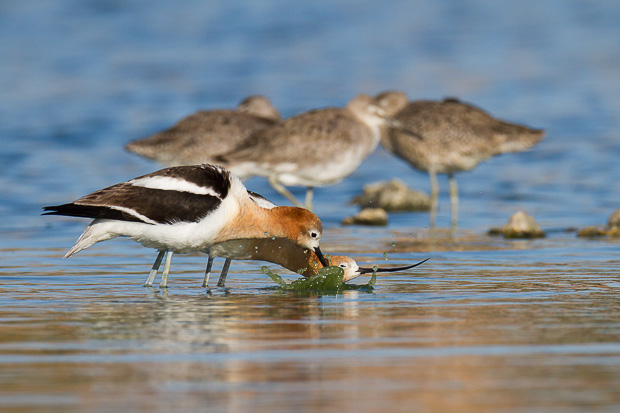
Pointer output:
154, 269
205, 283
163, 283
222, 280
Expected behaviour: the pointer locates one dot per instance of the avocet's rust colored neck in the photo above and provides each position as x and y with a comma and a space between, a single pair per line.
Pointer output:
305, 263
279, 222
279, 251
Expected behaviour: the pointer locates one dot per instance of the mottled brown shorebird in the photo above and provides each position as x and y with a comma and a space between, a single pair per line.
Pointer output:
204, 135
315, 148
453, 136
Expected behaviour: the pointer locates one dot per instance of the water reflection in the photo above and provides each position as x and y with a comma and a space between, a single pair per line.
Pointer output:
487, 335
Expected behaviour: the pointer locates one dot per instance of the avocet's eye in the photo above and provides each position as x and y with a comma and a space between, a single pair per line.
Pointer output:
314, 234
343, 265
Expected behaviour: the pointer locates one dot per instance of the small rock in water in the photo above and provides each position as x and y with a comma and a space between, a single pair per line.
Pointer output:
614, 219
392, 196
520, 225
592, 232
368, 216
611, 230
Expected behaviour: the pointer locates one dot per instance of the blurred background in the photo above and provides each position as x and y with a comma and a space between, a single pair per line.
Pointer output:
79, 79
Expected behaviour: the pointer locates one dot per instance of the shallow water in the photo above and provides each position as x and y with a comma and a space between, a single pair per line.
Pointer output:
486, 325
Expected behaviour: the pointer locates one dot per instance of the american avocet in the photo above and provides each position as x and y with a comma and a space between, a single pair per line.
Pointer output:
287, 153
311, 266
292, 256
200, 137
453, 137
189, 208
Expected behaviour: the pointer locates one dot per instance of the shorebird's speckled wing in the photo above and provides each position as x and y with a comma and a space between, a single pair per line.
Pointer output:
199, 137
456, 135
202, 136
280, 143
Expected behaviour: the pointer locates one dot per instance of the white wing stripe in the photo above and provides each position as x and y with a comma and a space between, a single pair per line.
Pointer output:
173, 184
133, 213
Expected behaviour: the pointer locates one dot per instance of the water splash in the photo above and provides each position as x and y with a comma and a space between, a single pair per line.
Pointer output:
327, 280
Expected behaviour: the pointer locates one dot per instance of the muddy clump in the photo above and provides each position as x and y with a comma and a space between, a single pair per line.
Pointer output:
611, 230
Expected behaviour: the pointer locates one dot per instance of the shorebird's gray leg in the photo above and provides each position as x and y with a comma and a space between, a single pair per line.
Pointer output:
309, 195
222, 280
163, 283
454, 200
434, 197
275, 184
205, 283
154, 269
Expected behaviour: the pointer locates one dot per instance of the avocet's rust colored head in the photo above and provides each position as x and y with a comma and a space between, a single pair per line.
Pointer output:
348, 264
302, 227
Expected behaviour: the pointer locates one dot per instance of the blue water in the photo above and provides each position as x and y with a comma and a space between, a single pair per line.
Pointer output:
488, 324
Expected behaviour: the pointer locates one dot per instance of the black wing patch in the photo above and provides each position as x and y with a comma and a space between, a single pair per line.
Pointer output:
158, 205
205, 175
89, 211
127, 202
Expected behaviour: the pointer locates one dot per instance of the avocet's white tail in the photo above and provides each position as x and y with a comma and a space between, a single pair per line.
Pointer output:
93, 234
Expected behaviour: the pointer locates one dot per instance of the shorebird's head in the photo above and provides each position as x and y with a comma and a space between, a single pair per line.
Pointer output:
259, 106
391, 102
378, 113
305, 229
367, 110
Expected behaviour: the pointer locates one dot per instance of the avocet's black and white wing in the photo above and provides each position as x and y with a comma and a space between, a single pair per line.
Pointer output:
168, 196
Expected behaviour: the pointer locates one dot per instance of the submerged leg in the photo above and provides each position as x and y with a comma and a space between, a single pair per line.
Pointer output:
205, 283
454, 200
163, 283
222, 280
154, 269
434, 196
309, 195
275, 184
